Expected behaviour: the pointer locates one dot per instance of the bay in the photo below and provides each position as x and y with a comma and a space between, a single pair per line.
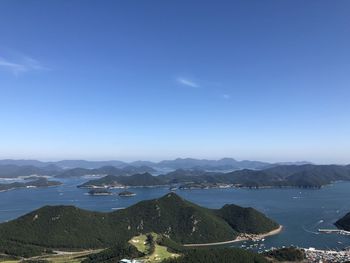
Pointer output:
301, 211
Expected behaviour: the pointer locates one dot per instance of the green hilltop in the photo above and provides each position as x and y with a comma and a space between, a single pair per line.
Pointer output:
71, 228
246, 220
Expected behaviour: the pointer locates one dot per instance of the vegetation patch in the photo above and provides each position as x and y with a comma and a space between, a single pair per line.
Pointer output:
150, 245
344, 223
286, 254
222, 255
67, 228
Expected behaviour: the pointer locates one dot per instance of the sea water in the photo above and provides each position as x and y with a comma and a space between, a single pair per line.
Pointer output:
301, 211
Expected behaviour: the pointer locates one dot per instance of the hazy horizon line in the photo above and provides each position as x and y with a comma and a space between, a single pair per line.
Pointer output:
155, 160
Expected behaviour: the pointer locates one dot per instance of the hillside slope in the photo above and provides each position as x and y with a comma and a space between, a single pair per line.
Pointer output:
222, 255
246, 220
344, 222
41, 182
144, 179
308, 176
68, 227
13, 171
105, 170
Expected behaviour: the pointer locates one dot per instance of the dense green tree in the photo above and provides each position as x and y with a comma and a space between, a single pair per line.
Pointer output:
223, 255
68, 227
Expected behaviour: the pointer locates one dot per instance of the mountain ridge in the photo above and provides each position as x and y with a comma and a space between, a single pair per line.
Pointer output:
69, 227
225, 163
308, 176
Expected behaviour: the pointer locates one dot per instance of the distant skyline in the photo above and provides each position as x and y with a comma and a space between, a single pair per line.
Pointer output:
152, 80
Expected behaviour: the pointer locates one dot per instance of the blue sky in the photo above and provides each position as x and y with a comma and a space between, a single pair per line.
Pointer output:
266, 80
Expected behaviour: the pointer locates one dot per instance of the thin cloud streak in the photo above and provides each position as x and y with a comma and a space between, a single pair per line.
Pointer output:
25, 64
187, 82
14, 67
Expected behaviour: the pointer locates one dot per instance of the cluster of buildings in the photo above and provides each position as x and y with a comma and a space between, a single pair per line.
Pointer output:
327, 256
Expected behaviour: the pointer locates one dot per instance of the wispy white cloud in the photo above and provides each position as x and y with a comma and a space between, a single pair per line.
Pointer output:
24, 64
204, 84
187, 82
14, 67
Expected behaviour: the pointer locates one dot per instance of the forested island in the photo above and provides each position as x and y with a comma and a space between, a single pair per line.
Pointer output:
17, 171
189, 173
304, 176
104, 170
111, 181
41, 182
179, 221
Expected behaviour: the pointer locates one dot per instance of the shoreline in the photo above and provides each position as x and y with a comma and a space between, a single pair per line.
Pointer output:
240, 238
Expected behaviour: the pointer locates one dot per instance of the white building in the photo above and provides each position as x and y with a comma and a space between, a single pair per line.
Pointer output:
124, 260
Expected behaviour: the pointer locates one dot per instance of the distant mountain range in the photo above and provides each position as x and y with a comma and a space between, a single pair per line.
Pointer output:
68, 227
40, 182
14, 171
308, 175
273, 175
180, 163
105, 170
64, 164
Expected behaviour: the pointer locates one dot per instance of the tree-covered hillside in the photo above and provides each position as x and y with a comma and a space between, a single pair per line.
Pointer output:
246, 220
144, 179
105, 170
114, 254
68, 227
182, 221
308, 176
344, 222
223, 255
41, 182
12, 170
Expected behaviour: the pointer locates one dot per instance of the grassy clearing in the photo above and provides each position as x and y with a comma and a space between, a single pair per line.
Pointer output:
160, 252
140, 243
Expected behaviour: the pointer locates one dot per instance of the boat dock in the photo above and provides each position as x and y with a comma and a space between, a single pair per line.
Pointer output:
334, 231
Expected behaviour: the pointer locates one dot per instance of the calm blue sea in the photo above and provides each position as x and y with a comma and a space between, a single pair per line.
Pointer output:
301, 212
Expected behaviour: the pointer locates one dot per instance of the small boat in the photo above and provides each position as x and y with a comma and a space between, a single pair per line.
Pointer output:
126, 194
99, 192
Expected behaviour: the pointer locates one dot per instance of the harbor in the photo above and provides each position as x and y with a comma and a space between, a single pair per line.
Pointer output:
315, 255
334, 231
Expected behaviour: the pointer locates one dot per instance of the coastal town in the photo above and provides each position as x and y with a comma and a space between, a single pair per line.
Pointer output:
324, 256
312, 255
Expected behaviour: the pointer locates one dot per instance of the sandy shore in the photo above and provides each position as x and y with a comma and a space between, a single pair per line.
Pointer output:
242, 237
